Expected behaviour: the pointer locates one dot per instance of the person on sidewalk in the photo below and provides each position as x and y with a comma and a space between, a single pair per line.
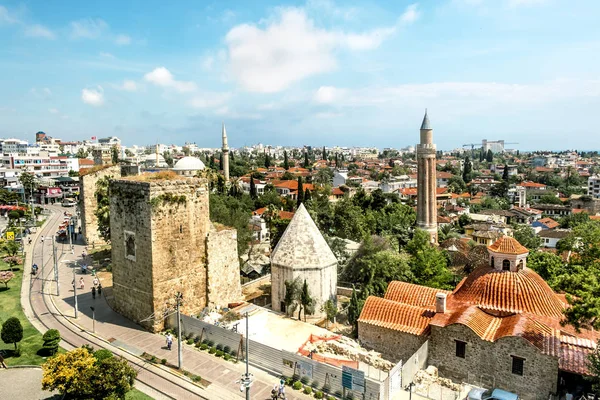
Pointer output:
81, 283
34, 269
99, 289
169, 341
96, 282
94, 292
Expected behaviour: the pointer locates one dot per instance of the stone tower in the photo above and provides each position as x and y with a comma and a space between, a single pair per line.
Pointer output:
225, 150
303, 253
163, 243
426, 181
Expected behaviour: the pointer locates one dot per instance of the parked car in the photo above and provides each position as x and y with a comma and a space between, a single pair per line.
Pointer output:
491, 394
69, 203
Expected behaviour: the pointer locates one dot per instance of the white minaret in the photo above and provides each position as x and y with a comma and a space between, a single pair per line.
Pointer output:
225, 150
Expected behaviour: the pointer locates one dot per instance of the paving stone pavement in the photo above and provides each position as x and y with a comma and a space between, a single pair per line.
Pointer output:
126, 335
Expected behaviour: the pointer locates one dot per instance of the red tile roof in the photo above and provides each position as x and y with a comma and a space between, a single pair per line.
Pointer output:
528, 184
549, 222
412, 294
282, 214
396, 316
508, 245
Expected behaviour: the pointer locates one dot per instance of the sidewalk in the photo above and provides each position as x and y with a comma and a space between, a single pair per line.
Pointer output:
126, 335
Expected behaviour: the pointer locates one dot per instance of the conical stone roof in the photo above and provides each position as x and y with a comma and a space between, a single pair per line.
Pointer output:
302, 246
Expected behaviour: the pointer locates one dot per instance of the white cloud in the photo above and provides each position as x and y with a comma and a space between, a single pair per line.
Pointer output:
231, 114
162, 77
93, 97
328, 7
39, 31
327, 94
53, 111
289, 49
106, 55
6, 17
129, 86
122, 40
328, 115
88, 28
209, 100
410, 15
43, 93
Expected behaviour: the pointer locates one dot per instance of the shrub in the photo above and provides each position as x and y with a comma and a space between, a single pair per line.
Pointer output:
289, 381
189, 335
51, 340
205, 341
12, 331
197, 339
318, 394
210, 343
219, 353
190, 341
220, 347
307, 390
197, 344
226, 357
227, 349
197, 378
305, 380
233, 353
212, 350
315, 384
153, 359
203, 346
186, 373
102, 354
330, 397
297, 385
163, 361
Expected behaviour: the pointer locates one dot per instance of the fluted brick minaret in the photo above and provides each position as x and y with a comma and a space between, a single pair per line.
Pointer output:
426, 181
225, 150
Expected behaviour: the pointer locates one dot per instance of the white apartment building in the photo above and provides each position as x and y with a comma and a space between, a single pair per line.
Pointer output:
594, 186
42, 165
16, 146
398, 182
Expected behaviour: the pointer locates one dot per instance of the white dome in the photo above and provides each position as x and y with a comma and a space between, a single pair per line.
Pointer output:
188, 164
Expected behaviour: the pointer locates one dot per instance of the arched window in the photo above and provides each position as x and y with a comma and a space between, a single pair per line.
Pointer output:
505, 265
520, 267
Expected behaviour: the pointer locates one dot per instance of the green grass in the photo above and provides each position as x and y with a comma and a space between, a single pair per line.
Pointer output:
10, 306
135, 394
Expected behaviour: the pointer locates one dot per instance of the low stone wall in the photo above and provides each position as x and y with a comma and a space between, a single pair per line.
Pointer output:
344, 291
256, 284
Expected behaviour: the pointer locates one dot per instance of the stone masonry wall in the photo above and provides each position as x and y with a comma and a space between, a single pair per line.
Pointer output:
393, 345
223, 267
493, 361
89, 222
158, 233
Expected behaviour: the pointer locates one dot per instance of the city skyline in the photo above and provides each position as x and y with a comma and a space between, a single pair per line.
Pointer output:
315, 72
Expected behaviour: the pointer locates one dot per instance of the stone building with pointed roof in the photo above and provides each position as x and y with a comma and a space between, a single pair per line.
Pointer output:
303, 253
501, 326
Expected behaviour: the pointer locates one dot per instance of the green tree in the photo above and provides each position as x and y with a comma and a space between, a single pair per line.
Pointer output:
292, 289
103, 206
51, 341
548, 265
324, 154
129, 153
114, 154
73, 173
286, 163
505, 173
253, 192
324, 176
185, 150
168, 158
525, 235
593, 365
456, 184
267, 161
234, 212
306, 301
29, 182
12, 331
428, 264
490, 156
300, 192
468, 167
11, 248
573, 220
306, 161
354, 309
82, 153
329, 308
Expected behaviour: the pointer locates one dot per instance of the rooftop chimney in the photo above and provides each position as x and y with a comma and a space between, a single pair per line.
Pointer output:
440, 303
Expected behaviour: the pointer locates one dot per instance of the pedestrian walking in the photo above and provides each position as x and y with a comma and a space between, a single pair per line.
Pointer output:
81, 283
29, 240
2, 360
95, 282
169, 341
99, 289
94, 292
34, 269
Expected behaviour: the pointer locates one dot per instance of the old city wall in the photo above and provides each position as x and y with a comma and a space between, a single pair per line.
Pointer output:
491, 362
132, 269
89, 222
223, 267
180, 225
393, 345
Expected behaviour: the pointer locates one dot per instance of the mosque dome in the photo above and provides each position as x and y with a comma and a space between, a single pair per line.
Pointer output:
188, 166
511, 288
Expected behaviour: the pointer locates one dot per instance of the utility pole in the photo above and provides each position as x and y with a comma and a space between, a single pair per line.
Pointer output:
55, 267
69, 232
75, 289
246, 380
93, 319
178, 302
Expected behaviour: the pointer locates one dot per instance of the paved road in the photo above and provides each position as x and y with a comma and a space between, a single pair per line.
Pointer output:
21, 384
123, 337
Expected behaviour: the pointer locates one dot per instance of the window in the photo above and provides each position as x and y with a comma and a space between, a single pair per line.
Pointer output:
461, 348
505, 265
517, 365
492, 263
130, 245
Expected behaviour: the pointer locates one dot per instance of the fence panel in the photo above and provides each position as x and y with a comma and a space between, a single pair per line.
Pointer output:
196, 327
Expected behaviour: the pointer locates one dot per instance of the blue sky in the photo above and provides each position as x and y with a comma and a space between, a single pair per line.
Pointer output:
353, 73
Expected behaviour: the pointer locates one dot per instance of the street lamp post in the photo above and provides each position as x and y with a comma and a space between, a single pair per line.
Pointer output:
55, 268
246, 380
75, 291
93, 319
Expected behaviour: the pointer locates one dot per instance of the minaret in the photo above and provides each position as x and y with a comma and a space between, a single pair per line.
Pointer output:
426, 181
225, 150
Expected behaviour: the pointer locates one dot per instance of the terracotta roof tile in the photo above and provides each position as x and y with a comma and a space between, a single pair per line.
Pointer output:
396, 316
521, 291
508, 245
412, 294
